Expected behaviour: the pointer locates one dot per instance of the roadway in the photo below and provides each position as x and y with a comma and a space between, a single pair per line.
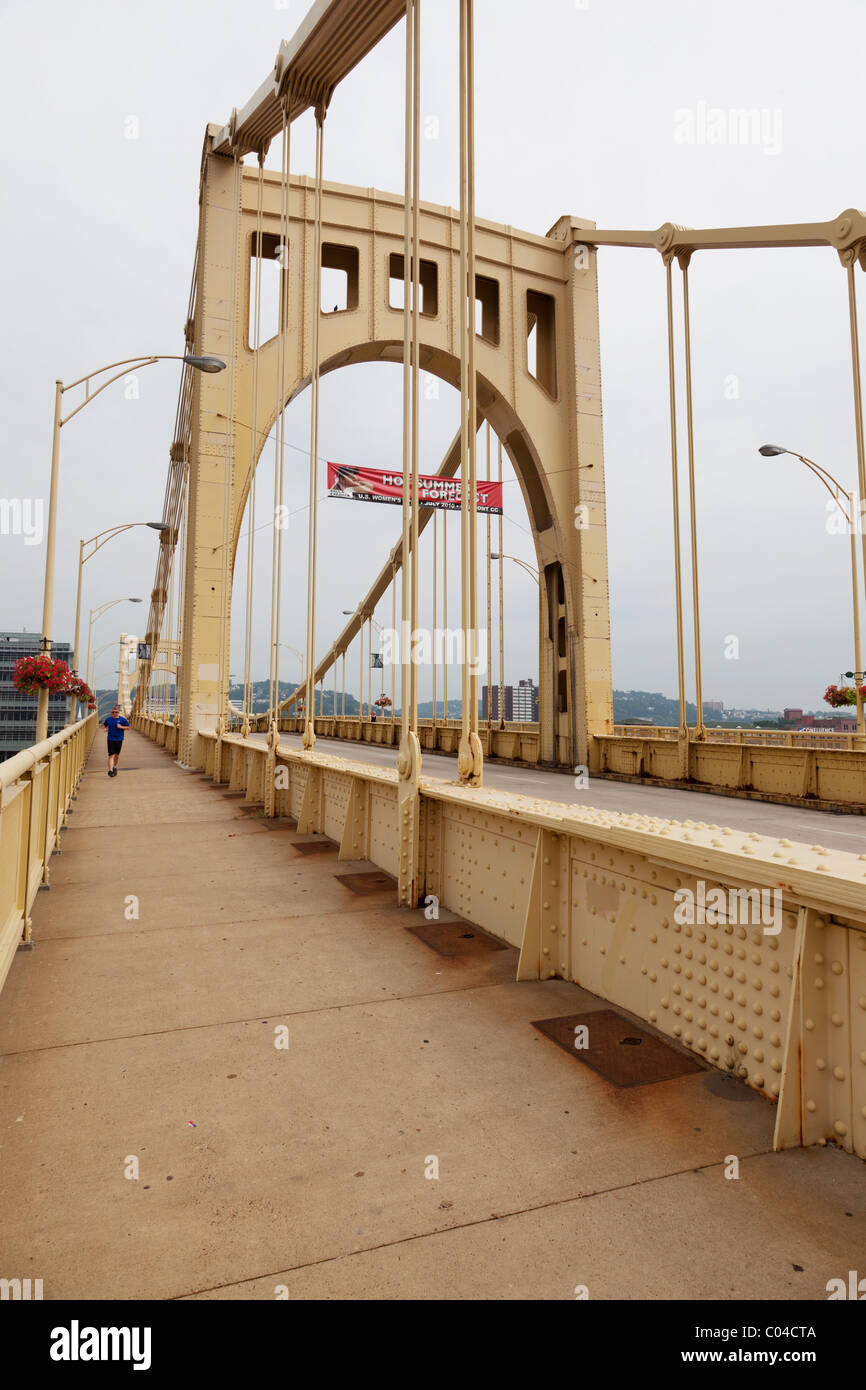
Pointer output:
845, 832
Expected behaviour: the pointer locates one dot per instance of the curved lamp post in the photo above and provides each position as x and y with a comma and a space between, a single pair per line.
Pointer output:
95, 615
200, 364
838, 493
534, 574
97, 542
521, 563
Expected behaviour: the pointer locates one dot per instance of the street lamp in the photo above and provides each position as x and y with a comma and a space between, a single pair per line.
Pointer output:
522, 563
97, 542
295, 652
533, 574
374, 623
95, 615
837, 492
199, 364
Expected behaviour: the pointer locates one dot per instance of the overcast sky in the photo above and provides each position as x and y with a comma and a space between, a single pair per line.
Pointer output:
583, 109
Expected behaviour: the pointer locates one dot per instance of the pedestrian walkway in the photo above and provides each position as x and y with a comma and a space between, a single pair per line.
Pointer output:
226, 1074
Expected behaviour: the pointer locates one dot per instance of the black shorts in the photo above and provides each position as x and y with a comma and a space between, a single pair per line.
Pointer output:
114, 746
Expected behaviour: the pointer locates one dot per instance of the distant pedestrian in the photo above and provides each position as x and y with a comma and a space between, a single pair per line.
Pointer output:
115, 724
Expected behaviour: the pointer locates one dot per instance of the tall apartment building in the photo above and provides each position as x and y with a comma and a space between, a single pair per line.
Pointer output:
524, 702
18, 712
520, 702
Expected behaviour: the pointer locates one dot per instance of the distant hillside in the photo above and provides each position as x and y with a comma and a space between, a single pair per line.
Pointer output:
629, 705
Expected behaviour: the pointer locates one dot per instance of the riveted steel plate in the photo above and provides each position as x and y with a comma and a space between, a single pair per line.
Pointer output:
456, 938
617, 1049
315, 847
366, 883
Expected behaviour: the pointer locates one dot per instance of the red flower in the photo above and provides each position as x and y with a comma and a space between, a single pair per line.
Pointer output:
839, 696
33, 674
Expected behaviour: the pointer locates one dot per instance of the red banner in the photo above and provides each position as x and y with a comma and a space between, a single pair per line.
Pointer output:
375, 485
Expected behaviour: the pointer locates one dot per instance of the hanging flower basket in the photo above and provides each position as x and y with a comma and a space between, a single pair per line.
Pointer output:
35, 673
81, 691
841, 695
383, 702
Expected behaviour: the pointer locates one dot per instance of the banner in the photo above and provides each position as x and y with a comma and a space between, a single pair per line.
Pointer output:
375, 485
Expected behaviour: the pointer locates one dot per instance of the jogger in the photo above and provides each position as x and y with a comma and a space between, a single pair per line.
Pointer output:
115, 724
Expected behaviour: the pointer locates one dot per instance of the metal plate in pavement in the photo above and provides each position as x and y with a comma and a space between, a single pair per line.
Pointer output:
617, 1049
456, 938
375, 882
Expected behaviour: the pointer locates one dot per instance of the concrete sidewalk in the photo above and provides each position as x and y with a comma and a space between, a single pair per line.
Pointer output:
148, 1042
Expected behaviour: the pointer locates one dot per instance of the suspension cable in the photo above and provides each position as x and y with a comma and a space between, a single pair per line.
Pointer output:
435, 596
699, 731
405, 684
489, 611
501, 608
312, 546
472, 653
279, 432
464, 391
230, 454
678, 566
257, 333
416, 309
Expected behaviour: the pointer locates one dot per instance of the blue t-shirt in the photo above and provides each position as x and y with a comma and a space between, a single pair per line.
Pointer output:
116, 727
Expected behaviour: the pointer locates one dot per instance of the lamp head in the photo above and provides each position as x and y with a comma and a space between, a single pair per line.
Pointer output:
770, 451
205, 364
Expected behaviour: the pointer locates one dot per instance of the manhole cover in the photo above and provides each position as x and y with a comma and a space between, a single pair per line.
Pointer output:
315, 847
456, 938
616, 1049
366, 883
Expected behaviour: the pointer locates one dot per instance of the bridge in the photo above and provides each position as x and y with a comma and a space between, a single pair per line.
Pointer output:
406, 915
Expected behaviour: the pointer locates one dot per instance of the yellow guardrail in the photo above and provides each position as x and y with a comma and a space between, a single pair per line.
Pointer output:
770, 738
37, 786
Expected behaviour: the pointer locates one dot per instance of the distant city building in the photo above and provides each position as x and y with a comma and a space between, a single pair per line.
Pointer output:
524, 702
520, 701
494, 712
717, 706
18, 712
838, 724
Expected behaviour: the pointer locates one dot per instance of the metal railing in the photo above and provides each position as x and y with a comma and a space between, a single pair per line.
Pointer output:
37, 786
769, 738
